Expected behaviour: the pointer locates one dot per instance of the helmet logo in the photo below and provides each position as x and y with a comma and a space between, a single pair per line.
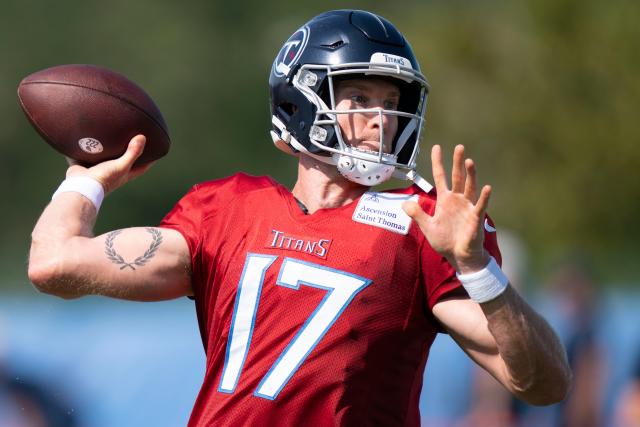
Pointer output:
290, 52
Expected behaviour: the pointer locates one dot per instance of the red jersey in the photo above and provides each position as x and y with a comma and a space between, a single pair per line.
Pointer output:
321, 319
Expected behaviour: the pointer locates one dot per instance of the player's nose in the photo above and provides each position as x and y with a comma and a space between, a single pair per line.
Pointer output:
377, 120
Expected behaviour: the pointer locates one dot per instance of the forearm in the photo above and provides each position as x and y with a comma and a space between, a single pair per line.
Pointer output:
535, 363
69, 216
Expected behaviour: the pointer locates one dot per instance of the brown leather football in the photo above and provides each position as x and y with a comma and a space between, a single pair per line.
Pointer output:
90, 114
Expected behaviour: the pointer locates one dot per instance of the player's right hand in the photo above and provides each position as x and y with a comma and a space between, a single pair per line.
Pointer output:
455, 230
113, 174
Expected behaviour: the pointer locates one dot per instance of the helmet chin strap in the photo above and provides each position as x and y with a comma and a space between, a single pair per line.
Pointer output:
412, 175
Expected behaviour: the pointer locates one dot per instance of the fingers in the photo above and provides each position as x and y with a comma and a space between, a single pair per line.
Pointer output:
75, 170
73, 167
417, 214
114, 173
134, 150
483, 201
470, 191
458, 172
439, 176
412, 209
463, 177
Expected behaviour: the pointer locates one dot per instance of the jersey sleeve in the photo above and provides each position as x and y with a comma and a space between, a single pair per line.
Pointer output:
439, 277
201, 210
186, 217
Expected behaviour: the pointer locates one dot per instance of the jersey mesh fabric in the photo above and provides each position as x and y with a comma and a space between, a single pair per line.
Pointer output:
366, 368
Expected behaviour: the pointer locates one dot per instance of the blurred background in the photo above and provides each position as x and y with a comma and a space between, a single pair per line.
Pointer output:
545, 96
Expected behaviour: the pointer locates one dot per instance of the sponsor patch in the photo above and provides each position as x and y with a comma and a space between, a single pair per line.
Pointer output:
384, 210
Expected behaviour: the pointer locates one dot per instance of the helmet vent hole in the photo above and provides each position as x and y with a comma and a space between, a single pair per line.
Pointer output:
334, 45
287, 108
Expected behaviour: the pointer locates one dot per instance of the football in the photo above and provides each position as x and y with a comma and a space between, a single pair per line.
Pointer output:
90, 113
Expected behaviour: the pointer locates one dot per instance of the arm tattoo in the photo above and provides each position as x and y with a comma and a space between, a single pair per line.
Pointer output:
116, 258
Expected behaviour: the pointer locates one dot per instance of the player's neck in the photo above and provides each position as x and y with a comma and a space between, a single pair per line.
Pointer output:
320, 186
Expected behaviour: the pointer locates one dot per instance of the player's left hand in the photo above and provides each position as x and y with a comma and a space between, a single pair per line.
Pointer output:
456, 228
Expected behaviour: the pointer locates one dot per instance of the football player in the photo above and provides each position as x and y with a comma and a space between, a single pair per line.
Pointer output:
318, 305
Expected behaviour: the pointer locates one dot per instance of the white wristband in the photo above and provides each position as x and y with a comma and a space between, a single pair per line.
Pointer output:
87, 186
486, 284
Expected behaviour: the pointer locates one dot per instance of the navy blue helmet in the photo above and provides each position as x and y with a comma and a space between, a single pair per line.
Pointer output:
337, 45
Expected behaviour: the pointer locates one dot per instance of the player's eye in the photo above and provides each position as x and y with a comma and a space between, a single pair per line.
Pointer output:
391, 104
359, 100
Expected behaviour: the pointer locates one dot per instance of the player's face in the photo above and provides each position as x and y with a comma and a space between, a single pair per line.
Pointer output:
362, 130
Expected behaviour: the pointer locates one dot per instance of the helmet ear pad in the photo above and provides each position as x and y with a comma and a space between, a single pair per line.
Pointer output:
298, 115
